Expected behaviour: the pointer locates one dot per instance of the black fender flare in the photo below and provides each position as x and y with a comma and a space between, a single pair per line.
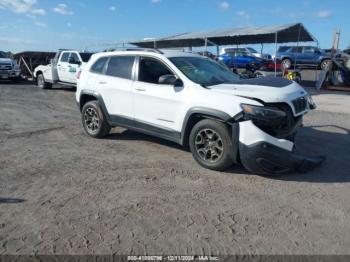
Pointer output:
98, 98
216, 115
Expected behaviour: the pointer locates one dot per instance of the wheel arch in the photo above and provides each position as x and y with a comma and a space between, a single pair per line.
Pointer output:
39, 72
196, 114
86, 97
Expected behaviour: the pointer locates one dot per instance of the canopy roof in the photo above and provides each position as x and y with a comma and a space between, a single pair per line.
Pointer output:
235, 36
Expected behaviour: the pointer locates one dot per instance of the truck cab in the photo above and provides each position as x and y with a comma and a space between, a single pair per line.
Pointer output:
9, 69
62, 70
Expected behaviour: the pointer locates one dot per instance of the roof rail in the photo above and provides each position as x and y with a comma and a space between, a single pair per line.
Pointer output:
133, 49
154, 50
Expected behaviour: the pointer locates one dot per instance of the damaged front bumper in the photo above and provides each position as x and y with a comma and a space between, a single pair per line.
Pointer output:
261, 153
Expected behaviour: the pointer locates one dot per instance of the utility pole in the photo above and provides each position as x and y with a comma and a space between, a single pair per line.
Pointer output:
336, 39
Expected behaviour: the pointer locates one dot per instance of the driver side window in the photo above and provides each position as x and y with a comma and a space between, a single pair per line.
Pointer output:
64, 57
74, 58
151, 69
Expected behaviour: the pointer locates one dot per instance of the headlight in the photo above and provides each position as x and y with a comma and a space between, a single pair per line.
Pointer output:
262, 113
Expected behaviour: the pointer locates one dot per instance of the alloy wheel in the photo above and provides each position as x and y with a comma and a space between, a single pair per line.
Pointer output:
209, 145
92, 120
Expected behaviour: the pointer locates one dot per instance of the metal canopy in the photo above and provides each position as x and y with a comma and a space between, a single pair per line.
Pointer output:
235, 36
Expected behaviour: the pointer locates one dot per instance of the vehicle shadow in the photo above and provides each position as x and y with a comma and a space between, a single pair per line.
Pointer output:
72, 89
18, 83
330, 141
11, 200
136, 136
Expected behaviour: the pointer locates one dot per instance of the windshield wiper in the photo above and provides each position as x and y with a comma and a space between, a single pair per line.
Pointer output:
205, 86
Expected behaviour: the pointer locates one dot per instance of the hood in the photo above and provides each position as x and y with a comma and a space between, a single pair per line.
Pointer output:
267, 89
6, 60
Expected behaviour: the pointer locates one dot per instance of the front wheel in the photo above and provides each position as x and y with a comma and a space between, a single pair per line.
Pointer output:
211, 144
325, 64
94, 121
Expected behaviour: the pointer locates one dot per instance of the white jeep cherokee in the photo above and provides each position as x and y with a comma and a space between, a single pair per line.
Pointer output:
195, 101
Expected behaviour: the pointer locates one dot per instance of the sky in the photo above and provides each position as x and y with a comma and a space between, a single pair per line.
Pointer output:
47, 25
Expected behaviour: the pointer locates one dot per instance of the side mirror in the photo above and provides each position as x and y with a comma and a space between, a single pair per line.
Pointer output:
317, 52
167, 80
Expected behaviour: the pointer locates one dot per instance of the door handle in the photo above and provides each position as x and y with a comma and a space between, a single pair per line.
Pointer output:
140, 89
102, 82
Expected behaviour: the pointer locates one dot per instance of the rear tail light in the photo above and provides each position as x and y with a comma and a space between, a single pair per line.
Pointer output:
78, 74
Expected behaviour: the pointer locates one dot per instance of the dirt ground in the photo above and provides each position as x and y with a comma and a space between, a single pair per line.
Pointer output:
62, 192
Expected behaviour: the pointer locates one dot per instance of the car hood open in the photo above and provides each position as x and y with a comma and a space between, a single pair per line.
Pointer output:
268, 89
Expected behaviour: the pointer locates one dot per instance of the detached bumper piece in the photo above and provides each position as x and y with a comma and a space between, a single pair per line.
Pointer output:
267, 159
261, 153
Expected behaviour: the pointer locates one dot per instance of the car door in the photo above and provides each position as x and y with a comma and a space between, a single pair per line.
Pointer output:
309, 55
114, 84
62, 67
74, 63
296, 54
156, 105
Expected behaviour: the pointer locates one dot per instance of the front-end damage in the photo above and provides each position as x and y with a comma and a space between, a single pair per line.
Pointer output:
262, 153
265, 139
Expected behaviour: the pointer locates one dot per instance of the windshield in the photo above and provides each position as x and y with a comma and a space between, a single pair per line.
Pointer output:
204, 71
3, 55
252, 50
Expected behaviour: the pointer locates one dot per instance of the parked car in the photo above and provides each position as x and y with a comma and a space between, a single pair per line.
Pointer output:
9, 69
304, 55
240, 59
207, 54
193, 100
62, 69
248, 50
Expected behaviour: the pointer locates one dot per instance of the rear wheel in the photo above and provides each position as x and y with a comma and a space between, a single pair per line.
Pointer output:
94, 121
40, 81
211, 145
286, 63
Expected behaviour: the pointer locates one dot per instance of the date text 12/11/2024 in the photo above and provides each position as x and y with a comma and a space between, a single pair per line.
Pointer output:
172, 258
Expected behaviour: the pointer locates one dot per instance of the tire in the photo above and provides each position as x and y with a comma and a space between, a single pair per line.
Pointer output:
286, 63
325, 64
40, 82
210, 143
94, 121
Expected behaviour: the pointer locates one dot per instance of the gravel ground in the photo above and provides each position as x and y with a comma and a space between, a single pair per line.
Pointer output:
62, 192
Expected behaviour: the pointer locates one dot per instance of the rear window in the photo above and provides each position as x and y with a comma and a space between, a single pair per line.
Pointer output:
120, 66
283, 48
99, 65
85, 56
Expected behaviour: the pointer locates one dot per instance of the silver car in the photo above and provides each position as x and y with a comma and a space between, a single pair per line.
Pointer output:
251, 51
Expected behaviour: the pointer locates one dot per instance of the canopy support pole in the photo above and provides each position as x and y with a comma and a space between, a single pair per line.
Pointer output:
206, 44
295, 62
276, 39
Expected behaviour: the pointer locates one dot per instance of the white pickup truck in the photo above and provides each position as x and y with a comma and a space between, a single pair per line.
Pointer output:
62, 69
